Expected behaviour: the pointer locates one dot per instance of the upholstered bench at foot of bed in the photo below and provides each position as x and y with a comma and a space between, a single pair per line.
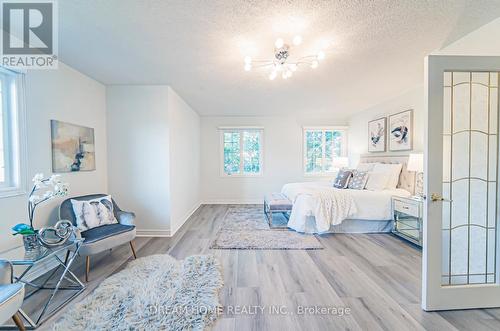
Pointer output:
276, 203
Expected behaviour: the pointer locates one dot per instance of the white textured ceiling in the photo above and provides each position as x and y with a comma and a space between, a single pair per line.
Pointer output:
376, 48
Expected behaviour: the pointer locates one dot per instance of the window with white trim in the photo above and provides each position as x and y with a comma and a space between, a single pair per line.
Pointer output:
241, 151
10, 133
325, 150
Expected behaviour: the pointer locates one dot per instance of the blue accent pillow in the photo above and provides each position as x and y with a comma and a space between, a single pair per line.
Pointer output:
358, 180
342, 179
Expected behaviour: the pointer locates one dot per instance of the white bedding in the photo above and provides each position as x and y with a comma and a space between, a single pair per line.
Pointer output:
369, 205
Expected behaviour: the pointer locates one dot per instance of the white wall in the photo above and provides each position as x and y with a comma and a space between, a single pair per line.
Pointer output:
67, 95
484, 41
184, 125
138, 153
358, 124
283, 159
154, 156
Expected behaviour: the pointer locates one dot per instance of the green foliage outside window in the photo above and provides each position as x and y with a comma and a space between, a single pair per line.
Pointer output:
321, 147
242, 152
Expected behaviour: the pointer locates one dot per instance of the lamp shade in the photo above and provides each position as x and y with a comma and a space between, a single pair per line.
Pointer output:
416, 162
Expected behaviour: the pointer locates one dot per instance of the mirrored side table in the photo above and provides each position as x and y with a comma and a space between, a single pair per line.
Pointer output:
407, 213
49, 289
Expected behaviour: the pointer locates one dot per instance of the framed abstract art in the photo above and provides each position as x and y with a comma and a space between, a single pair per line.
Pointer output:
401, 131
72, 147
376, 135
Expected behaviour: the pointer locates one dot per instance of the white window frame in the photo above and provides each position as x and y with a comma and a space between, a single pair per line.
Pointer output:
223, 130
14, 133
305, 129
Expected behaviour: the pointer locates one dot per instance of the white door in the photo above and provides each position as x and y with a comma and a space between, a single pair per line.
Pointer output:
461, 210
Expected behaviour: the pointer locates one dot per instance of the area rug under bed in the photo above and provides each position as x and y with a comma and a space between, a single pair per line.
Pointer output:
156, 292
246, 227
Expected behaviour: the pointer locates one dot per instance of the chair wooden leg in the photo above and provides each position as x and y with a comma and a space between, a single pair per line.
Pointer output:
133, 249
87, 268
19, 323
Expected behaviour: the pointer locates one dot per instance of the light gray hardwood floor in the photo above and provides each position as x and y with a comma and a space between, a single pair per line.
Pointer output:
376, 276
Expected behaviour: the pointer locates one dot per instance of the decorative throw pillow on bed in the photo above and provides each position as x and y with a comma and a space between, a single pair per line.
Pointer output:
366, 167
393, 170
377, 181
342, 179
358, 180
93, 213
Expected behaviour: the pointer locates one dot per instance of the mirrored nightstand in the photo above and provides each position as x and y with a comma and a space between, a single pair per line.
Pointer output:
407, 213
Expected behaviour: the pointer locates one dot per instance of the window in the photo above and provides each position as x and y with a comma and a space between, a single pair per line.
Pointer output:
10, 133
241, 151
325, 150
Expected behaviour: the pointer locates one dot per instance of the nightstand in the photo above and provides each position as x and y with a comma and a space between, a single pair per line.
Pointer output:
407, 213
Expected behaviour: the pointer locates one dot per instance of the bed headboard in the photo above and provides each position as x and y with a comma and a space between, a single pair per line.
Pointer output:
406, 179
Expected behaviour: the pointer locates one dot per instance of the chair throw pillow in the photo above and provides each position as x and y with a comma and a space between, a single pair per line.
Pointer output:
342, 179
358, 180
93, 213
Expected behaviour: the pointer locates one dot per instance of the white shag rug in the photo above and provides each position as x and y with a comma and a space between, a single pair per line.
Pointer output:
156, 292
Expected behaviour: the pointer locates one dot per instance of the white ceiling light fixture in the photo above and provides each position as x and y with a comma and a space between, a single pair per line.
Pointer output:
282, 63
279, 43
297, 40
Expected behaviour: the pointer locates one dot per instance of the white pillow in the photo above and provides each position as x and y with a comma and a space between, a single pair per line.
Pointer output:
365, 167
93, 213
377, 181
393, 169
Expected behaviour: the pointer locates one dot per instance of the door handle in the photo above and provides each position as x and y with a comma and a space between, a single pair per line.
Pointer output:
438, 197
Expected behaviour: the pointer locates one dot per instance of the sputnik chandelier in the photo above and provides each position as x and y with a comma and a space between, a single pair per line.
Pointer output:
282, 64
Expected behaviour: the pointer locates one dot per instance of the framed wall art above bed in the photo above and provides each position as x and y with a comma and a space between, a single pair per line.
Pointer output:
401, 131
376, 135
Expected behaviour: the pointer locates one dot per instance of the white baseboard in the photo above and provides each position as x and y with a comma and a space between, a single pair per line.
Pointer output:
152, 233
186, 217
167, 233
233, 201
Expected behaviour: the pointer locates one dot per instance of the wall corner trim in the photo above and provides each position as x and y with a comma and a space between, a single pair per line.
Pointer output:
186, 217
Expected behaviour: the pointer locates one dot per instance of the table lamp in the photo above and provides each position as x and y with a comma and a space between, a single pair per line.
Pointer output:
416, 164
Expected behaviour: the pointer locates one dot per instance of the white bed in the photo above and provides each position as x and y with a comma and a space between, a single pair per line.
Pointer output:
368, 212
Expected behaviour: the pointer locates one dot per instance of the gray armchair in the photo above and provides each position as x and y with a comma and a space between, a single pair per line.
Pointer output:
11, 295
104, 237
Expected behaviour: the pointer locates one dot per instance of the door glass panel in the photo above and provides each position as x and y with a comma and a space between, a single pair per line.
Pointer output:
461, 107
460, 155
479, 107
479, 155
470, 174
493, 108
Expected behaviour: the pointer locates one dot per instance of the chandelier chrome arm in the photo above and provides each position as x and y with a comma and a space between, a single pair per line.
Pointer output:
281, 63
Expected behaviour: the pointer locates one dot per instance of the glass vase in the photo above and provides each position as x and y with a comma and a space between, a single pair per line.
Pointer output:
30, 242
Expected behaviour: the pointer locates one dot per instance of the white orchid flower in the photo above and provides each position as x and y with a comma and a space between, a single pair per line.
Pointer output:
38, 177
34, 198
54, 188
38, 181
55, 179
